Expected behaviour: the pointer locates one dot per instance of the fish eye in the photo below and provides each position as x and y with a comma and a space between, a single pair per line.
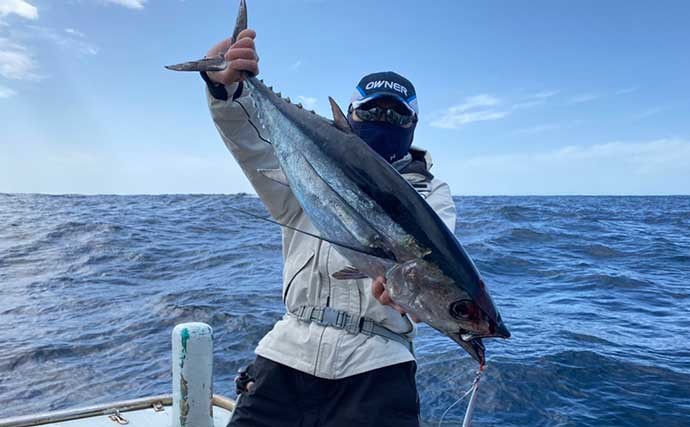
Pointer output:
463, 309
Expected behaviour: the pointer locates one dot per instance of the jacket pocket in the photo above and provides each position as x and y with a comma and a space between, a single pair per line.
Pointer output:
294, 266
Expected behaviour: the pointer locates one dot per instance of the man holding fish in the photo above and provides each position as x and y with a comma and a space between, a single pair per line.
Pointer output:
313, 368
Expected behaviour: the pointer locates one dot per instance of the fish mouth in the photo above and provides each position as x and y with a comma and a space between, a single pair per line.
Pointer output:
473, 346
472, 342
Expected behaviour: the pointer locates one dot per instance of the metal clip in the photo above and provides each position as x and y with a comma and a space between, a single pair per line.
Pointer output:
330, 317
158, 407
116, 417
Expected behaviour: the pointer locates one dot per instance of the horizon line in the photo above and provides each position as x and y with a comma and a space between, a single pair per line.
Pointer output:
241, 193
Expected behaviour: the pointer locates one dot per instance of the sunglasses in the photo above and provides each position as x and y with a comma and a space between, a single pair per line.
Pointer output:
390, 115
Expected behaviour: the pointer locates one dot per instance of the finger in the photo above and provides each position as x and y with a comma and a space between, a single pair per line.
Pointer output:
245, 42
220, 47
240, 53
242, 44
377, 289
248, 32
249, 65
385, 298
415, 318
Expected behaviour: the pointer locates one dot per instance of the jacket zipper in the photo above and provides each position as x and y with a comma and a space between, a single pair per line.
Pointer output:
292, 279
328, 275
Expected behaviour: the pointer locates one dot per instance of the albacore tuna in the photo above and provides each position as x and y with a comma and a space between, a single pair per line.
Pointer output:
377, 220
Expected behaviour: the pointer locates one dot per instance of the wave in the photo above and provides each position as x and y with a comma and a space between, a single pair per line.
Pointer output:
595, 291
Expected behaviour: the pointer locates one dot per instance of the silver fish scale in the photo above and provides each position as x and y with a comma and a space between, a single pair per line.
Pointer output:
323, 191
355, 202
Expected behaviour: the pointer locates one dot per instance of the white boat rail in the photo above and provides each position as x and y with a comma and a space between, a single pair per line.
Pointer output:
191, 403
156, 403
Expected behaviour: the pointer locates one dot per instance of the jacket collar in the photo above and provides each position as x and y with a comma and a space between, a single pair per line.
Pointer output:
415, 161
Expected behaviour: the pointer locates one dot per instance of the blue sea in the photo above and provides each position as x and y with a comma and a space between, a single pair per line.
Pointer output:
595, 290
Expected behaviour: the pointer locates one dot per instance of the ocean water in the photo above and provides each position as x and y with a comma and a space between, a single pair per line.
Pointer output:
595, 290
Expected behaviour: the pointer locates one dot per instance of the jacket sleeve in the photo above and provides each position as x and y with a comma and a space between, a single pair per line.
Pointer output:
251, 153
442, 202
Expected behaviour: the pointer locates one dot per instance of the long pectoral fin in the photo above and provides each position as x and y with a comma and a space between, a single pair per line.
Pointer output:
354, 221
276, 175
375, 252
349, 273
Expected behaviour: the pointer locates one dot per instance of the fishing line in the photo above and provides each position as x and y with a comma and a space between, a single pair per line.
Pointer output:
473, 388
249, 117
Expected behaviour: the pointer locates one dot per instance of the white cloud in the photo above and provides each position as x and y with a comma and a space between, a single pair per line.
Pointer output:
649, 112
6, 92
527, 104
473, 109
545, 94
74, 41
132, 4
308, 102
547, 127
73, 32
296, 64
652, 167
585, 97
592, 96
538, 129
626, 91
454, 120
15, 62
18, 7
534, 100
476, 101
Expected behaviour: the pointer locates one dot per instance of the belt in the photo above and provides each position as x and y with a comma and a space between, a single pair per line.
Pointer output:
328, 316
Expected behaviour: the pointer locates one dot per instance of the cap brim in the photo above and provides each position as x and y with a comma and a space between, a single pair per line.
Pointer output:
359, 102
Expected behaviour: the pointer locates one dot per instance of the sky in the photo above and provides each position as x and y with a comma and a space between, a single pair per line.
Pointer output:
516, 98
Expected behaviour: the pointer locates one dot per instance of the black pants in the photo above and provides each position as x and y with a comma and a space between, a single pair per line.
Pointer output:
283, 396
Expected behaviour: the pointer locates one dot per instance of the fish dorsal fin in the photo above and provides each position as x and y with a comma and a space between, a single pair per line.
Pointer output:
339, 118
348, 273
276, 175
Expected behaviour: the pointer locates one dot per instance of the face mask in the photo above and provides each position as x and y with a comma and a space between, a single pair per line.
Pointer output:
390, 141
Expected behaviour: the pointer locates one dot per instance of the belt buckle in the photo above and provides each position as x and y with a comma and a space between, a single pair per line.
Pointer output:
330, 316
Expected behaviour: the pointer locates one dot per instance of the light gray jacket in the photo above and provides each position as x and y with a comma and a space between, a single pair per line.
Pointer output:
325, 352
